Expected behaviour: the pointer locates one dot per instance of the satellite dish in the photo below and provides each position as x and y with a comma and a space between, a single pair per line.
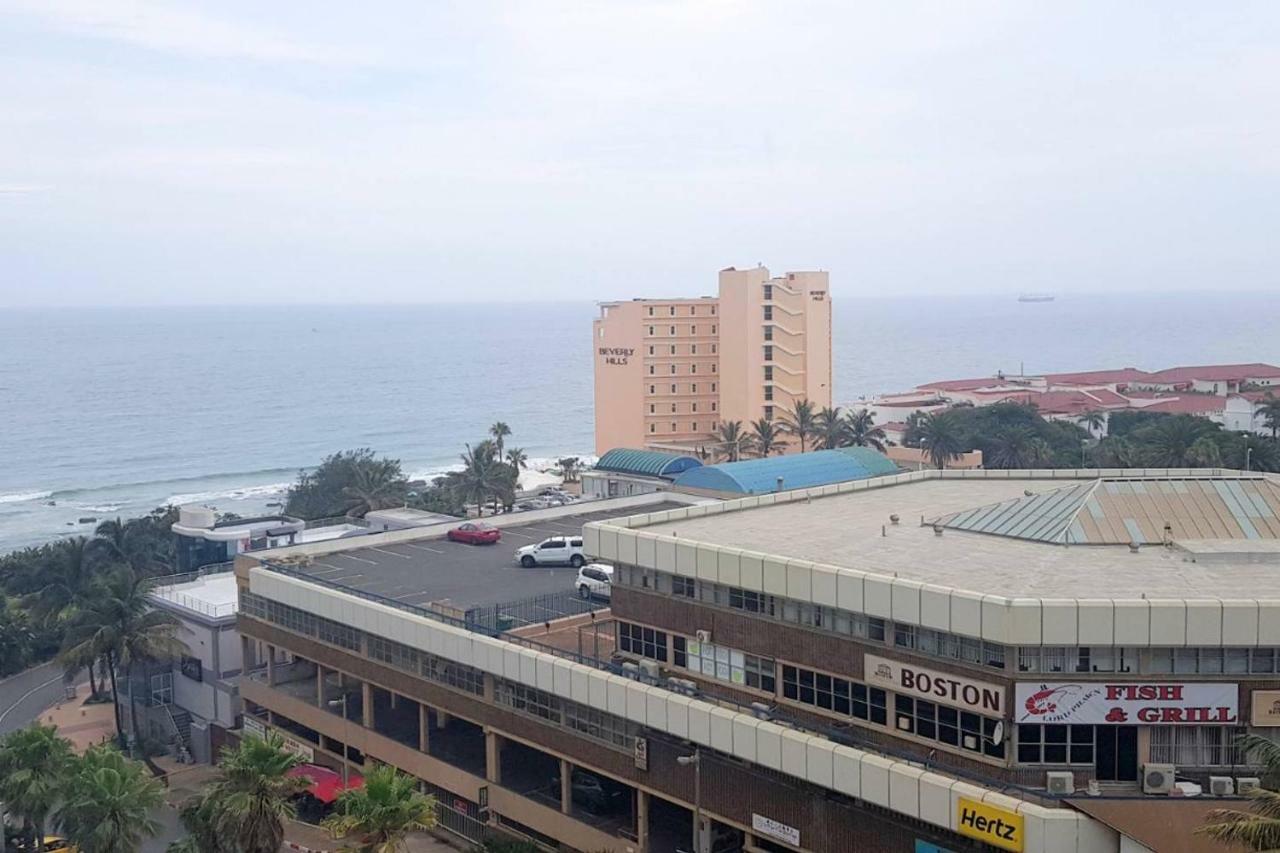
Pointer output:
997, 733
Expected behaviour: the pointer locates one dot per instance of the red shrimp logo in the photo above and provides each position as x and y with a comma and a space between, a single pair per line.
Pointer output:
1045, 701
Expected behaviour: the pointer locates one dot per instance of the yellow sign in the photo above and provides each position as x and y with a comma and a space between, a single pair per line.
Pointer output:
997, 827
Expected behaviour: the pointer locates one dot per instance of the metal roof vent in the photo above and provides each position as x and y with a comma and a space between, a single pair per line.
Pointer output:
1134, 547
1028, 493
893, 519
937, 530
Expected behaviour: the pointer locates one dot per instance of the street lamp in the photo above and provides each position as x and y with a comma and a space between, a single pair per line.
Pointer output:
696, 761
1248, 457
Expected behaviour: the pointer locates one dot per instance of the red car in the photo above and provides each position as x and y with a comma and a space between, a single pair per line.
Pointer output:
475, 533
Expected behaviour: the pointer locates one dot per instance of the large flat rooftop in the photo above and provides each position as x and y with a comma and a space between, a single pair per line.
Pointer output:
854, 531
430, 569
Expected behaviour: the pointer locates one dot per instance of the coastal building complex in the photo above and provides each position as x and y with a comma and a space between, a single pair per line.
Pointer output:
937, 660
668, 371
1230, 394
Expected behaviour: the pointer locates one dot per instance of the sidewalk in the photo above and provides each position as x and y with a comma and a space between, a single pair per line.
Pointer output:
83, 725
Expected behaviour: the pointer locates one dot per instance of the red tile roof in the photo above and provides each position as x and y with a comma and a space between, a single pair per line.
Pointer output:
1099, 377
1190, 404
1218, 372
963, 384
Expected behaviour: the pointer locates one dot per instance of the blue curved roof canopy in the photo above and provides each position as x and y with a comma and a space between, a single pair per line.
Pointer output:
646, 463
797, 471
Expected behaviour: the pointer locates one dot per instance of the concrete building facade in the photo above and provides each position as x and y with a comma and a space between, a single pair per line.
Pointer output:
667, 371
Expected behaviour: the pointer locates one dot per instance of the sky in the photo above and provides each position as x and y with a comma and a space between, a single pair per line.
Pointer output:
406, 151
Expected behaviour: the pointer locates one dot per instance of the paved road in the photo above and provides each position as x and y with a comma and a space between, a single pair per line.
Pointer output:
25, 695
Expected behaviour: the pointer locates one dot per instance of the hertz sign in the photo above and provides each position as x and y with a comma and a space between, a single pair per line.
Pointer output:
997, 827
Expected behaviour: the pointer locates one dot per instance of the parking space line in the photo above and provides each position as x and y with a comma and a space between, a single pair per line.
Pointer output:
422, 548
510, 532
357, 559
392, 553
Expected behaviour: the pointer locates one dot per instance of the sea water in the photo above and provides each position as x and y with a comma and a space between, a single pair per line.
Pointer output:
107, 412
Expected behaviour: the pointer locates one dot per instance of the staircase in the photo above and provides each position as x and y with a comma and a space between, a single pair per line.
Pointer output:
182, 726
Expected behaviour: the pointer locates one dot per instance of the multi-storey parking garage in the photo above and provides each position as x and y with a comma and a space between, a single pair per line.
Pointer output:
1024, 660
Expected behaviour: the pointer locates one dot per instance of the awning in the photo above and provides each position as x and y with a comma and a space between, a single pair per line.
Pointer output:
1165, 824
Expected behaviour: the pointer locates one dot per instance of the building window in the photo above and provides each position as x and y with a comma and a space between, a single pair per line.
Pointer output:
652, 409
750, 601
673, 408
1078, 659
1196, 746
768, 413
768, 333
694, 407
768, 353
713, 349
653, 428
682, 586
768, 313
642, 641
673, 426
713, 313
693, 309
713, 387
730, 665
651, 370
673, 330
834, 694
651, 330
693, 389
1058, 744
713, 406
673, 349
651, 314
768, 392
713, 330
768, 373
673, 388
693, 330
693, 349
673, 370
715, 368
693, 368
653, 389
694, 428
768, 292
968, 731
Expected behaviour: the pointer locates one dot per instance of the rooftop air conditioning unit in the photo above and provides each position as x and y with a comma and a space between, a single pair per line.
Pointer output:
1221, 786
1060, 782
631, 670
651, 669
683, 685
1157, 778
703, 636
761, 710
1245, 784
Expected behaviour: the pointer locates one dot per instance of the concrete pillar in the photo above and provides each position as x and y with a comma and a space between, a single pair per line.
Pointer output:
486, 685
642, 821
320, 687
493, 756
368, 704
271, 665
424, 729
442, 718
566, 787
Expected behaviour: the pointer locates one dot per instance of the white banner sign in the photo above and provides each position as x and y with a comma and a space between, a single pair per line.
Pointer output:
772, 828
1154, 703
948, 689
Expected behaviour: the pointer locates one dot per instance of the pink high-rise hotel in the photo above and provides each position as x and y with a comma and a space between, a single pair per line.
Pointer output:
668, 371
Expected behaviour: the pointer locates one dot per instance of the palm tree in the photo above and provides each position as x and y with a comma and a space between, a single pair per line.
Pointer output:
1255, 451
1093, 420
108, 803
382, 812
1011, 447
482, 476
570, 466
765, 437
801, 421
250, 799
1204, 453
832, 429
500, 431
1169, 441
1269, 411
121, 625
861, 431
34, 765
69, 584
517, 459
375, 484
1259, 827
940, 437
730, 437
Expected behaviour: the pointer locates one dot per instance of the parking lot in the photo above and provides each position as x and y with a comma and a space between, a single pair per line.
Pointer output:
463, 576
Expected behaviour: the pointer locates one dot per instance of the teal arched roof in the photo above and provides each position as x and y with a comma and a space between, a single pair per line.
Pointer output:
647, 463
798, 471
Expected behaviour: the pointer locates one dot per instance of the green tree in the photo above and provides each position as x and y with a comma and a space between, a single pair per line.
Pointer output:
765, 437
71, 584
251, 798
1269, 411
17, 637
121, 626
108, 803
352, 482
517, 459
1012, 447
730, 440
570, 468
1168, 442
832, 431
1258, 828
1093, 421
941, 438
1256, 452
34, 766
500, 431
913, 434
860, 430
382, 812
483, 476
801, 420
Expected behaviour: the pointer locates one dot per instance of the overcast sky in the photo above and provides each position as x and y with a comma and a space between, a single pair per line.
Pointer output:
162, 152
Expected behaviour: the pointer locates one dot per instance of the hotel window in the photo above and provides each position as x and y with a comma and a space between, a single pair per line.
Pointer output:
693, 330
693, 368
834, 694
713, 349
768, 333
693, 309
768, 413
651, 370
1058, 744
713, 387
768, 392
768, 313
715, 368
683, 586
673, 370
969, 731
693, 389
673, 310
653, 389
695, 426
652, 409
694, 409
651, 349
713, 330
713, 407
673, 330
1196, 746
713, 313
673, 408
673, 426
653, 427
727, 664
768, 292
673, 349
651, 330
768, 353
693, 349
673, 388
651, 314
768, 373
645, 642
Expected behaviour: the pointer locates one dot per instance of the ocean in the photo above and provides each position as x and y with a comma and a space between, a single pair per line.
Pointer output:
111, 412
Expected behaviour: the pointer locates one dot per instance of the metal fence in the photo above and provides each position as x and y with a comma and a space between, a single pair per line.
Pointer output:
529, 611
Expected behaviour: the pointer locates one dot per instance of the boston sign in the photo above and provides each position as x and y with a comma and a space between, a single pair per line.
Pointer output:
942, 687
1155, 703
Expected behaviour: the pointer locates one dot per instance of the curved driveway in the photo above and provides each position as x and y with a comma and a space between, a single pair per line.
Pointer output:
25, 695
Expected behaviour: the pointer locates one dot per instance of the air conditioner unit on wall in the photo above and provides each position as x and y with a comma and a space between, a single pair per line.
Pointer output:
703, 636
1245, 784
651, 669
1221, 786
1157, 778
1060, 782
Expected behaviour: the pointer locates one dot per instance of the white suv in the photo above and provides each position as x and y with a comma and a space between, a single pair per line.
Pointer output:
595, 580
556, 551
